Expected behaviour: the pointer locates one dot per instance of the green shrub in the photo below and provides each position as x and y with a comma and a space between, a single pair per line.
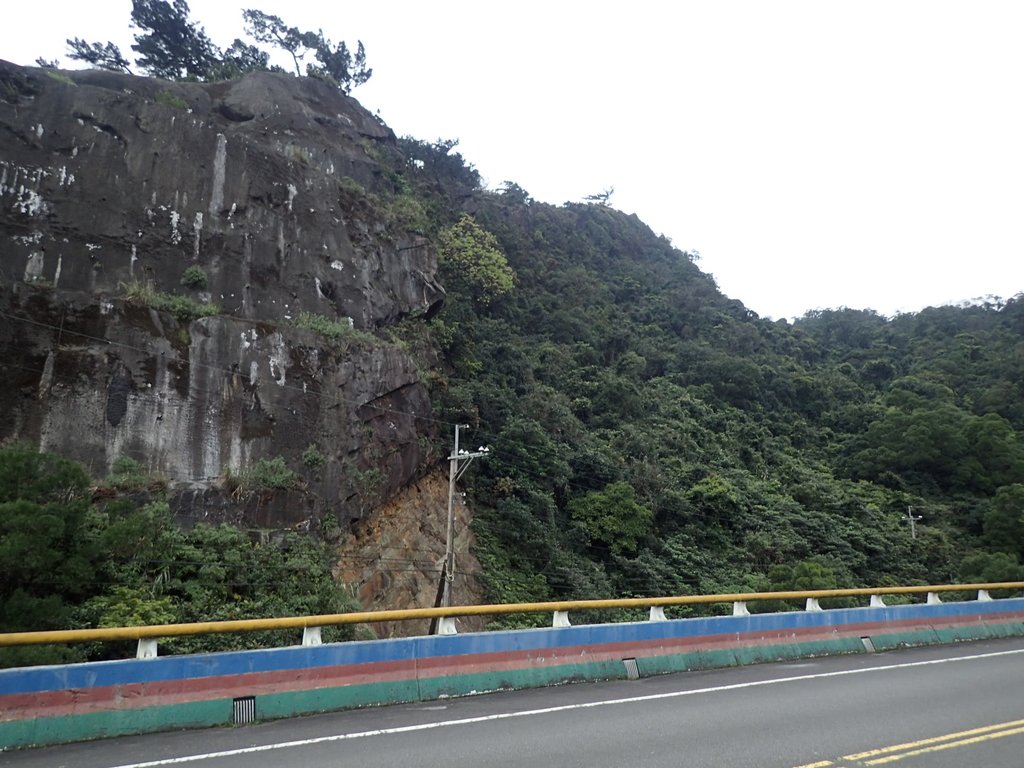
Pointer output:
60, 77
72, 559
402, 208
323, 325
408, 212
185, 309
169, 99
265, 474
182, 307
312, 457
352, 188
127, 474
471, 260
194, 277
332, 329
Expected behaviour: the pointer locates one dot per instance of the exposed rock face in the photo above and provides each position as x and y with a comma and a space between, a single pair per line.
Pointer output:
116, 179
393, 557
110, 183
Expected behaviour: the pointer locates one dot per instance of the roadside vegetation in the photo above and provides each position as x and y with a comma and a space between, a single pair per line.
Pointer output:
652, 436
72, 555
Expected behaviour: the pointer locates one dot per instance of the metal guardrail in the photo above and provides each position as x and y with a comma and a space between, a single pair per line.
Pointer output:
147, 635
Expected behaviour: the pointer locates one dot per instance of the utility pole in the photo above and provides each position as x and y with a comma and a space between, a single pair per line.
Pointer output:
458, 462
912, 519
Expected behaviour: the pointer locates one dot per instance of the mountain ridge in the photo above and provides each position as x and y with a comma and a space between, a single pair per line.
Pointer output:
650, 435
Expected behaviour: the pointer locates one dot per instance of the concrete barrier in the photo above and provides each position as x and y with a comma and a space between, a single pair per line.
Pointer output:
48, 705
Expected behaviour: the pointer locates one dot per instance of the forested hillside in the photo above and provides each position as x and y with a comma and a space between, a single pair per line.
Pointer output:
652, 436
649, 435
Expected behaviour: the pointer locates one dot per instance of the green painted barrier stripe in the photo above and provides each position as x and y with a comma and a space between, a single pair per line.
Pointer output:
94, 725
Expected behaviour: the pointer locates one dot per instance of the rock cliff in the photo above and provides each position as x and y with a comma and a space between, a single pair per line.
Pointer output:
392, 557
190, 276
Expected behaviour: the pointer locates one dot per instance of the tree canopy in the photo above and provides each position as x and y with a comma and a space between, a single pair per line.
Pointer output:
67, 562
470, 258
171, 46
652, 436
168, 44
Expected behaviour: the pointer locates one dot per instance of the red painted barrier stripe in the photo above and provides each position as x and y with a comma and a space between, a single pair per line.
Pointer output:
132, 696
135, 695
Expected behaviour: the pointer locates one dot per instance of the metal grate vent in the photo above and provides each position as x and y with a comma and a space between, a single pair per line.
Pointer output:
243, 710
632, 670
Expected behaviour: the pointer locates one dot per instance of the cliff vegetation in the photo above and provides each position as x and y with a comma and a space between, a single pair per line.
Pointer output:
247, 302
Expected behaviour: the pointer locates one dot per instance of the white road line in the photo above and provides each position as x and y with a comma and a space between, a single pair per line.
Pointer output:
549, 710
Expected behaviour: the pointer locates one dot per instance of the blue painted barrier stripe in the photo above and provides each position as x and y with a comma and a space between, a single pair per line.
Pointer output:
111, 673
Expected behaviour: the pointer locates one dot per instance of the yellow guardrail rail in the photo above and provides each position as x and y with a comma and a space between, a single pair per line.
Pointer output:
565, 606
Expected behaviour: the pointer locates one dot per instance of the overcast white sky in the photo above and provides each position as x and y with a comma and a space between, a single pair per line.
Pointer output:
817, 154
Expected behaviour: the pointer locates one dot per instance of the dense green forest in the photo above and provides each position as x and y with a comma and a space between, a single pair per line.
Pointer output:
649, 436
76, 554
652, 436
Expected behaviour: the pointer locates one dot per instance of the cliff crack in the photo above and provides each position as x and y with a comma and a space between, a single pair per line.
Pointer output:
101, 127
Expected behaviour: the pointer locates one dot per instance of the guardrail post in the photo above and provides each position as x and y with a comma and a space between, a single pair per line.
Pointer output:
446, 626
559, 610
311, 636
146, 649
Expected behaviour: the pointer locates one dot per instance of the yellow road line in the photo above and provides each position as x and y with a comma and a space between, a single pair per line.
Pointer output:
933, 740
924, 746
948, 745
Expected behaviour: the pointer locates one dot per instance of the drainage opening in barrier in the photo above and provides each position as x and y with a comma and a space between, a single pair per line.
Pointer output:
868, 645
243, 710
632, 670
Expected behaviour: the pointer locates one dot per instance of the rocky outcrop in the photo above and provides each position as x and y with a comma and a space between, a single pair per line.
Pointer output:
111, 188
108, 179
393, 557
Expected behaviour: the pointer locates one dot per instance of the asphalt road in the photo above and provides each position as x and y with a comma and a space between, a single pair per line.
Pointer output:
937, 707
